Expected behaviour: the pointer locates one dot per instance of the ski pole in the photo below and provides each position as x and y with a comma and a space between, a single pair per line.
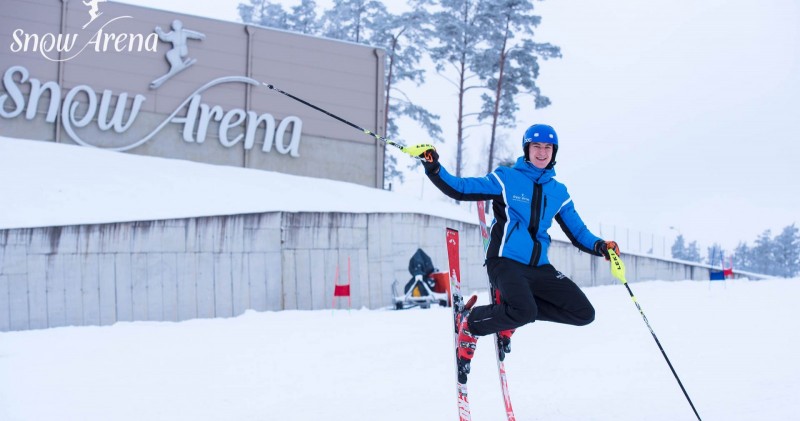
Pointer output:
618, 270
409, 150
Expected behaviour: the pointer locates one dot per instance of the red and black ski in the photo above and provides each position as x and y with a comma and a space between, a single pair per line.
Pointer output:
501, 367
458, 306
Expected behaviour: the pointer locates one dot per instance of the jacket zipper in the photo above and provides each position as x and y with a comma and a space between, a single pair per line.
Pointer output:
534, 228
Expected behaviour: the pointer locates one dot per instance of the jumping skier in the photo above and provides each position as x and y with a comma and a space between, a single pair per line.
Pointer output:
525, 200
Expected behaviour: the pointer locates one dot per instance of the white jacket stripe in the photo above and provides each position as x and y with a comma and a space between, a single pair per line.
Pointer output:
505, 228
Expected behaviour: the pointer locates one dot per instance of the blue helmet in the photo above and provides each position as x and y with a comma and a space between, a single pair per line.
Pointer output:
540, 133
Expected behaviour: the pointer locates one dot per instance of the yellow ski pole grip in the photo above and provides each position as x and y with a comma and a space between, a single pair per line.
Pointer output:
417, 150
617, 267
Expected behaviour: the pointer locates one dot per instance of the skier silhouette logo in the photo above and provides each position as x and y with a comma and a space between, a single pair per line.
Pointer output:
176, 57
94, 12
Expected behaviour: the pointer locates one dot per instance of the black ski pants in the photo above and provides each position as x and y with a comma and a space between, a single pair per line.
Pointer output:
528, 294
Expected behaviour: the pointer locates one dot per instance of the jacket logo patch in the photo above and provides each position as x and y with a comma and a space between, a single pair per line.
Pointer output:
521, 198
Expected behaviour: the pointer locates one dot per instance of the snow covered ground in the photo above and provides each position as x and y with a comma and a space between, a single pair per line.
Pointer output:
734, 345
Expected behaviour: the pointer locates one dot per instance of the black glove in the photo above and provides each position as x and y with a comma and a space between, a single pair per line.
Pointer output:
602, 247
430, 160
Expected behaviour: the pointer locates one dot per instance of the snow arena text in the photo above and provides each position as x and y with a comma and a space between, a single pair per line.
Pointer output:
80, 107
52, 46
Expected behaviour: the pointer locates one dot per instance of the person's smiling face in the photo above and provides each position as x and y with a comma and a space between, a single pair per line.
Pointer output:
540, 154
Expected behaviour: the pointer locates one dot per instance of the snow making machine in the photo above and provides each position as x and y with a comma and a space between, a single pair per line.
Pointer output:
426, 286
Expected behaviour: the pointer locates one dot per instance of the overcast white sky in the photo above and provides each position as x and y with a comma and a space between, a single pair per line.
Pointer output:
669, 113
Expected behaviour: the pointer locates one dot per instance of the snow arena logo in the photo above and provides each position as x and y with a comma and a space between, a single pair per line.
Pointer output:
66, 46
83, 112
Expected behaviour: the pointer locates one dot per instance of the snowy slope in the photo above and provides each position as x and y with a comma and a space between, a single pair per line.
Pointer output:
734, 346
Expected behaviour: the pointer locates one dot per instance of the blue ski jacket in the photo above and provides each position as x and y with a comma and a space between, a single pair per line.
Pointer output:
525, 200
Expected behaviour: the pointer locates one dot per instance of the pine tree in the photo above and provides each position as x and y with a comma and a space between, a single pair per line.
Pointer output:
404, 38
352, 20
692, 253
682, 251
458, 29
264, 13
763, 254
679, 248
716, 255
303, 18
786, 248
509, 63
742, 258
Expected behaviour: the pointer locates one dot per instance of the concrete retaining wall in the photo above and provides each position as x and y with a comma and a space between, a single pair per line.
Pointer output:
181, 269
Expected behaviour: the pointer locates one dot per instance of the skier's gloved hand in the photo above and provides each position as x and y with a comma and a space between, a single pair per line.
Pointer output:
430, 160
602, 248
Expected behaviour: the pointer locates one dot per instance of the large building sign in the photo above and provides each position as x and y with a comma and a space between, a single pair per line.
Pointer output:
137, 80
195, 119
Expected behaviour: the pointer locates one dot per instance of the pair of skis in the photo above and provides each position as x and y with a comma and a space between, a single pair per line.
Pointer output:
458, 307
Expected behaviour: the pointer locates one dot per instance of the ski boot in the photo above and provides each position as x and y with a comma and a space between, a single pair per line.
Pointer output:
504, 343
466, 341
